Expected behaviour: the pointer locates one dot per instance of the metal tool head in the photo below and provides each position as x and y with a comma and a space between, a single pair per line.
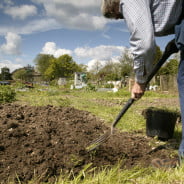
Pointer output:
97, 142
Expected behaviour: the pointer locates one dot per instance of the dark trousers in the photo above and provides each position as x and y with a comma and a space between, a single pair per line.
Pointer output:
180, 80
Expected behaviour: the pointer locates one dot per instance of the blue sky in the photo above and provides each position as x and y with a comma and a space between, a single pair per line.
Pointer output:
77, 28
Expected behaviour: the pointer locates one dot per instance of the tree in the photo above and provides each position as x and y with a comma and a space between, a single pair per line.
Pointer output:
68, 66
96, 67
19, 74
109, 72
5, 73
64, 66
29, 72
82, 68
113, 70
158, 55
53, 68
42, 62
126, 64
25, 73
170, 68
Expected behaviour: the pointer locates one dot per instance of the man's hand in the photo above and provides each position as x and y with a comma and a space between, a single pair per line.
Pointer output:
138, 90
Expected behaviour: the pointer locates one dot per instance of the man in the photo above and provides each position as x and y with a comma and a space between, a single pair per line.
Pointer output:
146, 19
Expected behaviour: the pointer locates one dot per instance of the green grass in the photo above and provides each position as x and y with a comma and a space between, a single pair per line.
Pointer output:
106, 106
137, 175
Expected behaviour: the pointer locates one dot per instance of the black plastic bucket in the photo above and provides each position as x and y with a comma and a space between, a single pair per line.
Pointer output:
160, 123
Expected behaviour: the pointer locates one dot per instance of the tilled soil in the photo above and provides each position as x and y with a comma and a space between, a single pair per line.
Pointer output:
44, 141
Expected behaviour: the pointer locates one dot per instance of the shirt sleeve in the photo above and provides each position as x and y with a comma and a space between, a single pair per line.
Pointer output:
137, 16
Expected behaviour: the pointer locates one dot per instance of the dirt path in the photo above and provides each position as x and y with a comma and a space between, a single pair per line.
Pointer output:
42, 141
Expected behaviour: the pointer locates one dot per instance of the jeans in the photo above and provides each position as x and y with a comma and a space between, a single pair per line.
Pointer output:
180, 81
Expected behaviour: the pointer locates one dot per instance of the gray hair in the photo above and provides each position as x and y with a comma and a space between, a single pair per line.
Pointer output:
110, 9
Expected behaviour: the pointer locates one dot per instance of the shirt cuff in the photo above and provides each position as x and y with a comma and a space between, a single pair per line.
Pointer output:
140, 76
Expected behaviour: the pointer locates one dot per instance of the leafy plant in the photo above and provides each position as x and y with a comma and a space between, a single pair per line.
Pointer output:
90, 87
7, 94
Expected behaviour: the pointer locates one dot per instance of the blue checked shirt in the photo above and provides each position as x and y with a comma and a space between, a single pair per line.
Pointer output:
146, 19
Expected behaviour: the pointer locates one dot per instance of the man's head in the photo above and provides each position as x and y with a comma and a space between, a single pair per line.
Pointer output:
110, 9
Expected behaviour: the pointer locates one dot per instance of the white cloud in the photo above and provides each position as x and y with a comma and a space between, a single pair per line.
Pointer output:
83, 3
101, 52
99, 56
39, 25
12, 45
72, 14
21, 12
56, 14
12, 66
51, 48
95, 64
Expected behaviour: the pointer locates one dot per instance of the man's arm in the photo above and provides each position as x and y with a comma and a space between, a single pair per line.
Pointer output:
137, 16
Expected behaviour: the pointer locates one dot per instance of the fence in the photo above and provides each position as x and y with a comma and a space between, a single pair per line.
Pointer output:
164, 82
168, 83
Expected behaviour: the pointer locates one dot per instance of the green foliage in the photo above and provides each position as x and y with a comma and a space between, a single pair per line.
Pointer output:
126, 64
170, 68
67, 66
50, 73
158, 55
82, 68
25, 73
90, 87
18, 74
109, 72
64, 66
108, 86
42, 62
7, 94
113, 70
5, 73
53, 68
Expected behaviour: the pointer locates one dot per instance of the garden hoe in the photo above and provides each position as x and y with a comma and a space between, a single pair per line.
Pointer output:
169, 50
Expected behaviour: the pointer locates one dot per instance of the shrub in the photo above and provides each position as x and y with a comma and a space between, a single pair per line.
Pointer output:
109, 86
7, 94
90, 87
